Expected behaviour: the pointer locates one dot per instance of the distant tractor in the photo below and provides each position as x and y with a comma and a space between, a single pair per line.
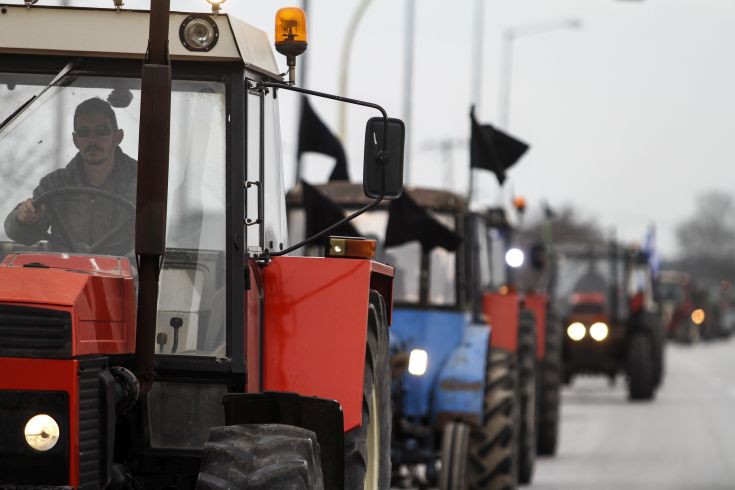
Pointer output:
177, 347
612, 321
454, 395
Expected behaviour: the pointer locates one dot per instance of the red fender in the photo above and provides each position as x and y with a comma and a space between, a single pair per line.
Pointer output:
315, 327
537, 303
501, 312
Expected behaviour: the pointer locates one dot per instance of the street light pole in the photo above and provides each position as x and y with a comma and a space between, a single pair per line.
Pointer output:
345, 66
506, 67
408, 86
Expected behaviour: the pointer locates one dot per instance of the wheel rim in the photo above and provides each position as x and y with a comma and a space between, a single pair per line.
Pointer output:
373, 445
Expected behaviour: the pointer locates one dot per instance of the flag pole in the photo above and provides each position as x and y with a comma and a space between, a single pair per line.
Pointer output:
476, 88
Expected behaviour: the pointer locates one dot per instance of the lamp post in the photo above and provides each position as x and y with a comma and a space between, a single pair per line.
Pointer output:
345, 66
506, 68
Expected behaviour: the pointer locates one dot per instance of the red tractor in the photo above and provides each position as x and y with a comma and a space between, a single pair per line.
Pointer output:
524, 322
205, 358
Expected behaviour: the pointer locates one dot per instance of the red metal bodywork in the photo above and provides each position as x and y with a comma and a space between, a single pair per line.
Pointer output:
98, 291
501, 312
48, 375
538, 303
315, 327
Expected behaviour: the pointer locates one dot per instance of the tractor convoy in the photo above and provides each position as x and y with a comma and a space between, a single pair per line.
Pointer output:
171, 318
467, 410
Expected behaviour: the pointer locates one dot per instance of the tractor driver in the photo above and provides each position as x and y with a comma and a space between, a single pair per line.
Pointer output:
79, 221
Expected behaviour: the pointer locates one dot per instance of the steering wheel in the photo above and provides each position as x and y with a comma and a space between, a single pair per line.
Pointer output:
61, 227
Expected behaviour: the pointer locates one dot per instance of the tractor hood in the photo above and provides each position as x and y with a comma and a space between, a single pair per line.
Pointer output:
97, 292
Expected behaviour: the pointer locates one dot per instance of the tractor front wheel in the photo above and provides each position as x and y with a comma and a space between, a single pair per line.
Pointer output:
549, 389
455, 441
527, 377
367, 448
261, 456
492, 462
640, 367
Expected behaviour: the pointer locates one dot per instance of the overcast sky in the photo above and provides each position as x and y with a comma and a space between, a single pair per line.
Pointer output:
628, 118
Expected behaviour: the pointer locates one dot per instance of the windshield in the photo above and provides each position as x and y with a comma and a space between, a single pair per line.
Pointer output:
68, 179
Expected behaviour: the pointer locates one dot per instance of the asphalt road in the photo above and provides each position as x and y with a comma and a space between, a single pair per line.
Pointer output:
684, 439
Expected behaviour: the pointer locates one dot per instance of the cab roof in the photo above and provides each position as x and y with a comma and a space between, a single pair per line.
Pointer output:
110, 33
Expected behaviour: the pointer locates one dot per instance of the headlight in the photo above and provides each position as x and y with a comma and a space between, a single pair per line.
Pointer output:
41, 432
576, 331
514, 257
417, 362
198, 33
698, 316
599, 331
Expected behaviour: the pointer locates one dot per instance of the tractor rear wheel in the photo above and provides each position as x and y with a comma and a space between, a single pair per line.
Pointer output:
549, 388
492, 460
640, 367
265, 456
527, 378
455, 441
367, 448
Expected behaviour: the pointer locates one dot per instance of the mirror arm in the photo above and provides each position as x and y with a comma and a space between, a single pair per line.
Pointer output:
317, 236
286, 86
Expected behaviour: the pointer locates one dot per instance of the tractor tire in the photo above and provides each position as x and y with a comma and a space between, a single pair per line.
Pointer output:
266, 456
455, 443
367, 448
549, 389
527, 384
492, 462
641, 368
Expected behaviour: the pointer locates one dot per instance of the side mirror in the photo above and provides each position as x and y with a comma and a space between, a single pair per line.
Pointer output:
383, 170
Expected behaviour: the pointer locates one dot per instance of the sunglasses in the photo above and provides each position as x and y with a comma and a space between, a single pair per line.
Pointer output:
86, 132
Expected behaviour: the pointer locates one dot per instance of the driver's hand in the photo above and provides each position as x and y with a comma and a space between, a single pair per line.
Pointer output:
28, 213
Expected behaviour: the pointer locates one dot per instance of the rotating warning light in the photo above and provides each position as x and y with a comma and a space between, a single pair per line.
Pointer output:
290, 31
514, 257
418, 361
576, 331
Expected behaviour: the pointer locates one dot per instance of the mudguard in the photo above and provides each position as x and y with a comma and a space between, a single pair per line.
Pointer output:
461, 384
315, 328
439, 333
538, 304
501, 312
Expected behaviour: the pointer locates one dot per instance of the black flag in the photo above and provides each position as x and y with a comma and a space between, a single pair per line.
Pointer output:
315, 136
492, 149
322, 212
407, 222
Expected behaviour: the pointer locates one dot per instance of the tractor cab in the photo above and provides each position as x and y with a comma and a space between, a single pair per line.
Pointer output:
145, 299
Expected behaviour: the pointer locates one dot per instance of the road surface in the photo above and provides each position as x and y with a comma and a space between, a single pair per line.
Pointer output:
685, 439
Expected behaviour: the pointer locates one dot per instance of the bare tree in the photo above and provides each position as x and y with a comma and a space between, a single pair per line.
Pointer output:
707, 238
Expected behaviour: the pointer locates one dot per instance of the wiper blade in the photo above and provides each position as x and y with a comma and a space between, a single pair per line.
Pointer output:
25, 105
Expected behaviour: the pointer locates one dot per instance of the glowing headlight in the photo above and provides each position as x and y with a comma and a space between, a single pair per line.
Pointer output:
41, 432
417, 362
576, 331
698, 316
198, 33
599, 331
514, 257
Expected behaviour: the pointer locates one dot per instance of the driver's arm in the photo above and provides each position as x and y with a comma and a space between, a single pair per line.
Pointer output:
26, 223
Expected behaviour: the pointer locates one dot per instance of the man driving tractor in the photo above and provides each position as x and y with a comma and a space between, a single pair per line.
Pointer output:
65, 201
